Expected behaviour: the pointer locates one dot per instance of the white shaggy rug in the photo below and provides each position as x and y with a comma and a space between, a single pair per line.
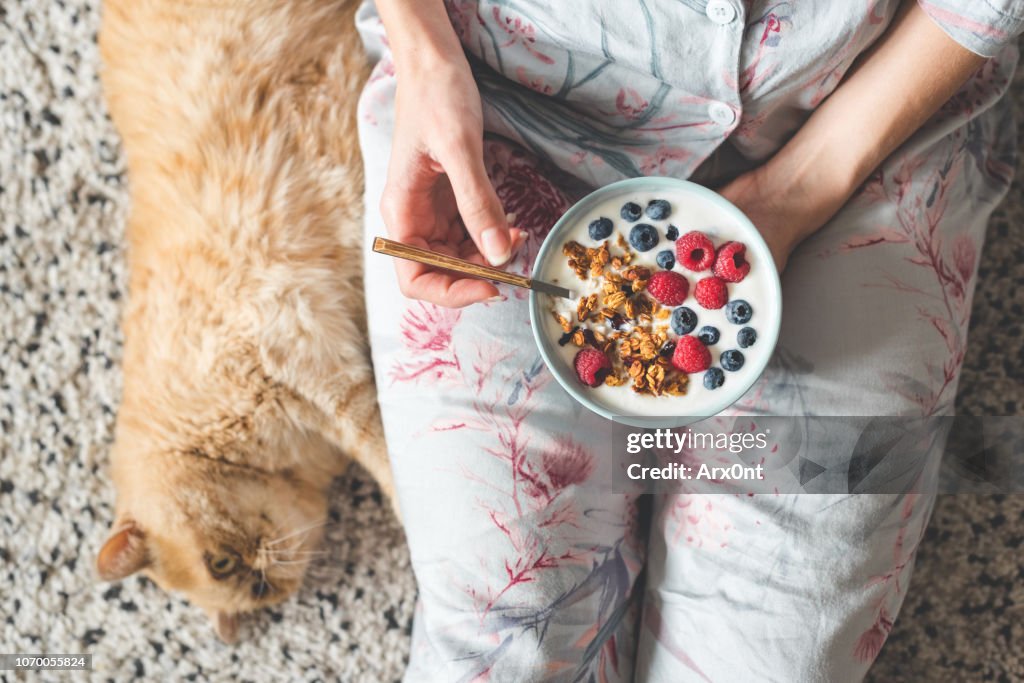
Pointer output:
62, 209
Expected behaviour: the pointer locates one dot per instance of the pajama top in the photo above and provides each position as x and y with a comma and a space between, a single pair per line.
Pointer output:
610, 89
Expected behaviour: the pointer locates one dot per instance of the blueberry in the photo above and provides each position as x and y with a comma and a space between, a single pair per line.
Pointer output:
666, 259
672, 233
600, 229
746, 337
732, 360
658, 210
714, 378
738, 311
683, 320
643, 237
631, 212
708, 335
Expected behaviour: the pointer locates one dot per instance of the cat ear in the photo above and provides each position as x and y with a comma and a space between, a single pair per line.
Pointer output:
226, 625
124, 553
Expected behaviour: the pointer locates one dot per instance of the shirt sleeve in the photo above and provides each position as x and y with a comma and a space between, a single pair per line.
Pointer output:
982, 26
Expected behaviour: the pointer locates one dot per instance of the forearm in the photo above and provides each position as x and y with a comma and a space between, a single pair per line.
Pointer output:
438, 195
420, 34
893, 89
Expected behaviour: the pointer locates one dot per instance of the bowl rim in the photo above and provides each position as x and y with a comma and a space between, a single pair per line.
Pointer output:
561, 371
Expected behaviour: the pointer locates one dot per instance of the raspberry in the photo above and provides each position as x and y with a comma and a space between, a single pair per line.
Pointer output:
592, 367
690, 355
711, 292
731, 264
668, 287
695, 251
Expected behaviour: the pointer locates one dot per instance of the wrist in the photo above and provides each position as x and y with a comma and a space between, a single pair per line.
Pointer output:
421, 37
794, 194
428, 55
814, 180
826, 170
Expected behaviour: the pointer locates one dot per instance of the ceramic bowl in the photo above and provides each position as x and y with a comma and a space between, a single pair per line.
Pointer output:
728, 218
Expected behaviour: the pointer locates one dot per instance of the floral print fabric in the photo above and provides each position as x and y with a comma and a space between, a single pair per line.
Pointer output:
529, 566
985, 28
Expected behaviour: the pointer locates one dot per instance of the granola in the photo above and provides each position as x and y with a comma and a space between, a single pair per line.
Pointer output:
623, 322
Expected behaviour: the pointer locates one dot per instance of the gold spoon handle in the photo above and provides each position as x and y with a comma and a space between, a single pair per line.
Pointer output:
456, 265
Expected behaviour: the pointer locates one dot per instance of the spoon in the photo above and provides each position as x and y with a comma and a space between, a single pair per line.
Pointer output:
457, 265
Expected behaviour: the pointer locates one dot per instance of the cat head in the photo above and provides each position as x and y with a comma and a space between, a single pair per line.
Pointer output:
231, 538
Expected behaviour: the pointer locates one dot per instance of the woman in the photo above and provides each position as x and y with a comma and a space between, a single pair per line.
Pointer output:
868, 141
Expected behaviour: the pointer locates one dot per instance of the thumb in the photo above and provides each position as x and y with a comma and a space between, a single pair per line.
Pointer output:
478, 204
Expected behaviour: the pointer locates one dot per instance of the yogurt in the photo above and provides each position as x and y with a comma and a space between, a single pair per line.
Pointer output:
691, 208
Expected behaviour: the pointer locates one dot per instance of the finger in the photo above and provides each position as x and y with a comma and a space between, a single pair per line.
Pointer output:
457, 233
477, 201
442, 288
518, 239
408, 202
408, 214
468, 250
419, 281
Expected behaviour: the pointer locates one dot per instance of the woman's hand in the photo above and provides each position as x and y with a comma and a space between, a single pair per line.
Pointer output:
437, 194
769, 210
787, 204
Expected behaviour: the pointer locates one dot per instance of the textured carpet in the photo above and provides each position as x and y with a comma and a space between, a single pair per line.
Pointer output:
62, 208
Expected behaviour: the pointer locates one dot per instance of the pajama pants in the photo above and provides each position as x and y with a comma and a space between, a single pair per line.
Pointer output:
530, 567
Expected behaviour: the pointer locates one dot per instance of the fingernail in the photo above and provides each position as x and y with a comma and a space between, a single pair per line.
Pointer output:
496, 248
495, 299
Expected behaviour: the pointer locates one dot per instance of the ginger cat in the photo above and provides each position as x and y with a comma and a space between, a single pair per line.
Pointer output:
246, 370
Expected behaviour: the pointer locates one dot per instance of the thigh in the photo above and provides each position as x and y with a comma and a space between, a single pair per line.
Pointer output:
775, 588
806, 587
524, 558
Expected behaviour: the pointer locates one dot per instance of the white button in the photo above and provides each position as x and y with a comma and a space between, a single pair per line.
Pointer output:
720, 11
721, 113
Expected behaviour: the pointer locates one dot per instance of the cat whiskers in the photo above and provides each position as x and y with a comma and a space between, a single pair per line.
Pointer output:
294, 553
305, 531
288, 522
288, 569
284, 555
297, 557
286, 563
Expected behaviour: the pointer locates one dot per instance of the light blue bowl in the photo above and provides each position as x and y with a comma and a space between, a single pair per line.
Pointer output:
768, 332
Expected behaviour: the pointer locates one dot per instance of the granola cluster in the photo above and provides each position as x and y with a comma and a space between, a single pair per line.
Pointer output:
622, 321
